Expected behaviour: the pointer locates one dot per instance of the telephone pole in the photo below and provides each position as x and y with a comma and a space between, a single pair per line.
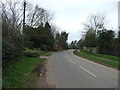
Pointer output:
24, 16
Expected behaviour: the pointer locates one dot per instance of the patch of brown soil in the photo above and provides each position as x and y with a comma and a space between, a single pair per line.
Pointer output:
40, 71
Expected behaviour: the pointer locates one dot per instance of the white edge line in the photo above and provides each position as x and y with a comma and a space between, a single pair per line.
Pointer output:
88, 71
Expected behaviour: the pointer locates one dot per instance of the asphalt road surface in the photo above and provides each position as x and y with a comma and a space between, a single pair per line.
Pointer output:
71, 71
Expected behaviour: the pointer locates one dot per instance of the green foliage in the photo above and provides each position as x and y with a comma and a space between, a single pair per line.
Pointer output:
9, 52
90, 38
36, 49
61, 40
45, 47
11, 42
118, 43
105, 42
44, 53
31, 53
85, 51
110, 57
27, 49
28, 44
114, 58
22, 76
99, 36
38, 37
12, 35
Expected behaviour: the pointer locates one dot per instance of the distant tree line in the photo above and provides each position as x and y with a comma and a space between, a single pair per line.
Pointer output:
97, 35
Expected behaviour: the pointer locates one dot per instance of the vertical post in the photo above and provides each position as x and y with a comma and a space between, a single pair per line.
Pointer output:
118, 29
119, 19
23, 22
24, 16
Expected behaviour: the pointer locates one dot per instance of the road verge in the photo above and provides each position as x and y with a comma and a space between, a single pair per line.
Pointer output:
105, 62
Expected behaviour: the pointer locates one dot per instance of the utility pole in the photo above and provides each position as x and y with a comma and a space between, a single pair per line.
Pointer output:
119, 22
24, 16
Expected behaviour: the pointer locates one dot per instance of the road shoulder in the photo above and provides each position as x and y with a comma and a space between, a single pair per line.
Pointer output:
44, 75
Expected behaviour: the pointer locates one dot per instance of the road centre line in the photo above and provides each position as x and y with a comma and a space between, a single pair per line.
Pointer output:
88, 71
69, 59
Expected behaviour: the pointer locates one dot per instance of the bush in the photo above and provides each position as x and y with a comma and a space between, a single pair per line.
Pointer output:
9, 52
28, 44
12, 41
46, 47
36, 49
27, 49
31, 53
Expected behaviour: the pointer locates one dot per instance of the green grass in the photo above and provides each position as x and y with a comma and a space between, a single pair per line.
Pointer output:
115, 64
114, 58
84, 51
108, 57
22, 76
43, 53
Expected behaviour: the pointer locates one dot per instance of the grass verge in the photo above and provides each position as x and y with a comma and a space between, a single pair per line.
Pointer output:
89, 56
45, 53
114, 58
18, 74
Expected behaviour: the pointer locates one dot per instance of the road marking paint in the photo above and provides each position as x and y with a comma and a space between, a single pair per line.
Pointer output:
69, 59
88, 71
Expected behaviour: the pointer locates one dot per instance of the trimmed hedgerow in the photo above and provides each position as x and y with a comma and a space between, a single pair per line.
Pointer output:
31, 53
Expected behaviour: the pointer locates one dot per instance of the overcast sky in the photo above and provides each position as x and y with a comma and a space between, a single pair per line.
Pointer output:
70, 15
119, 15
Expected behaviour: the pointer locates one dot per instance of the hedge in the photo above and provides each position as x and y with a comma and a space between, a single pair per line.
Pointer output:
31, 53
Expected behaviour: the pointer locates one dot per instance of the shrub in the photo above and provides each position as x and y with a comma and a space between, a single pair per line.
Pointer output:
9, 52
46, 47
27, 49
36, 49
12, 40
31, 53
28, 44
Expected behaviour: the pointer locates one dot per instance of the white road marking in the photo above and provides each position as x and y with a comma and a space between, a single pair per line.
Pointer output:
88, 71
69, 59
81, 67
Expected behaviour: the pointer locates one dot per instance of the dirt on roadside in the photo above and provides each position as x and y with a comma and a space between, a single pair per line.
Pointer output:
40, 71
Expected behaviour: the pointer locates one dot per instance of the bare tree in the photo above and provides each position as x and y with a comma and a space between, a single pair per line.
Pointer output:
96, 22
55, 29
12, 13
38, 15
